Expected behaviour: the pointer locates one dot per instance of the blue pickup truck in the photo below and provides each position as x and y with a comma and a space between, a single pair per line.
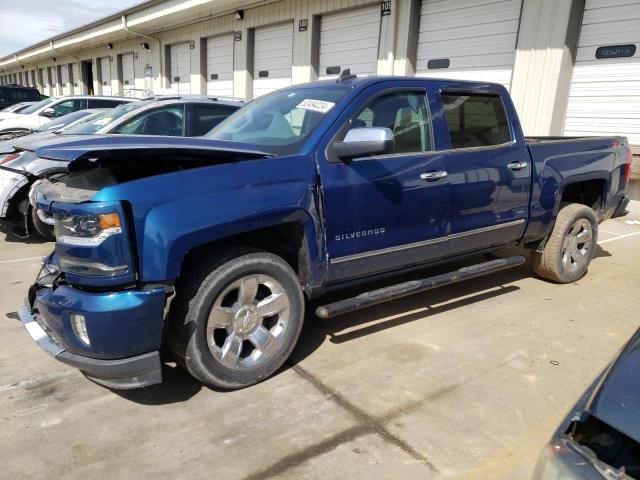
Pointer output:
213, 246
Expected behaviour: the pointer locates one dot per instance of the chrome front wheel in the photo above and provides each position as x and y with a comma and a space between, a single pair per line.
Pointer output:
236, 317
248, 321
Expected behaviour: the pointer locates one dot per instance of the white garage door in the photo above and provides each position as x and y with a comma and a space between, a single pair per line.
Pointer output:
220, 65
75, 81
128, 75
64, 79
180, 62
604, 98
273, 54
468, 39
105, 75
350, 40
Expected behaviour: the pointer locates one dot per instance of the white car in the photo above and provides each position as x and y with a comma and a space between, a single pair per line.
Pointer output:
33, 117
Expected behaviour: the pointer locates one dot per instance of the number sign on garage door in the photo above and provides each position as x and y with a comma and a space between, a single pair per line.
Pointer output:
128, 74
220, 65
180, 58
105, 75
469, 40
273, 54
604, 98
350, 40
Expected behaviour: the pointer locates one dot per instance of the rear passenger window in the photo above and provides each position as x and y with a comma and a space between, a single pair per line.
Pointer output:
103, 103
405, 114
205, 117
476, 120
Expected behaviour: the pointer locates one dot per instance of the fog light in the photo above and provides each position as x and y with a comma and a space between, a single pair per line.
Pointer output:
80, 328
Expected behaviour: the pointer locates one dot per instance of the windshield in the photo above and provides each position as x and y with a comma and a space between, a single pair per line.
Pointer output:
36, 106
280, 122
61, 122
88, 128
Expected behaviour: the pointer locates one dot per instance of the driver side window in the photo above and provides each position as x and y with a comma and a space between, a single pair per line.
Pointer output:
167, 121
406, 114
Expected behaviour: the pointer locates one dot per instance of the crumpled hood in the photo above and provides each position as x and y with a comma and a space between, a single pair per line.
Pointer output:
75, 148
617, 399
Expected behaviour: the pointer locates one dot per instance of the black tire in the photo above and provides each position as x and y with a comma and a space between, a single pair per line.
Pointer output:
549, 263
40, 228
202, 284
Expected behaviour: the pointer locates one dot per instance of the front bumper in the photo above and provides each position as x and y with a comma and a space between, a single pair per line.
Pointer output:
133, 372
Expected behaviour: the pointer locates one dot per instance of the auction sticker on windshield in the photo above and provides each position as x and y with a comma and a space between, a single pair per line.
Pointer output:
315, 105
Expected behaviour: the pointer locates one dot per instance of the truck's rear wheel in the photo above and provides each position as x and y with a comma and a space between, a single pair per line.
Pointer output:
236, 318
570, 247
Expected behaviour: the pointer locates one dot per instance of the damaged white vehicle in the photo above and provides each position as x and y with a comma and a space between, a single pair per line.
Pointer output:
21, 168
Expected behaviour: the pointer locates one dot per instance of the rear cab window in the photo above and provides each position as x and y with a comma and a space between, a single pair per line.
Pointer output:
476, 120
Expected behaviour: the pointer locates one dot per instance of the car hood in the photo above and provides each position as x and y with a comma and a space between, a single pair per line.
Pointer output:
9, 115
80, 150
29, 142
617, 399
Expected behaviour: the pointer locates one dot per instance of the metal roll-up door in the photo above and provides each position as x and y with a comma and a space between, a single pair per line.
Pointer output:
180, 68
220, 65
604, 98
273, 55
128, 74
64, 79
350, 40
75, 80
468, 40
105, 75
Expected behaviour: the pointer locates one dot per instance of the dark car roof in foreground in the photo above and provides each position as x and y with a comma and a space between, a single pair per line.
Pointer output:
617, 399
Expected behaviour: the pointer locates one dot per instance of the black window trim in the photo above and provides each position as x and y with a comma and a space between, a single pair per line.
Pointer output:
341, 133
462, 91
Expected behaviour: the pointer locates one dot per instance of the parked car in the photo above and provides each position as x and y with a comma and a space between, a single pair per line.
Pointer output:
16, 107
600, 438
171, 116
306, 190
12, 94
57, 125
15, 181
20, 167
45, 110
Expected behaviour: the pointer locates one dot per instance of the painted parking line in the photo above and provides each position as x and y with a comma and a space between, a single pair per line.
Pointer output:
618, 238
24, 259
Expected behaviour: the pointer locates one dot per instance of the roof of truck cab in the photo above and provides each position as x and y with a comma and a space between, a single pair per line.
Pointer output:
363, 82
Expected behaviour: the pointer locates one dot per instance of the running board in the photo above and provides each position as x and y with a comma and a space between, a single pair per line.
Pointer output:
386, 294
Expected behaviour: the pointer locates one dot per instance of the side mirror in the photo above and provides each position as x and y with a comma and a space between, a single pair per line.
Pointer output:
362, 142
48, 112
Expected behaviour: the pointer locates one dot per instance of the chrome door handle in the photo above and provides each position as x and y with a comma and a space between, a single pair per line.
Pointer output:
432, 176
517, 165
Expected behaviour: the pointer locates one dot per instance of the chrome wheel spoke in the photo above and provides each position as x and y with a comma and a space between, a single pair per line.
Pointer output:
221, 317
248, 290
584, 236
264, 341
273, 304
231, 350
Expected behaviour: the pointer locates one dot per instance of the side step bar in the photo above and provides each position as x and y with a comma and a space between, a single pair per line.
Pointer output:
385, 294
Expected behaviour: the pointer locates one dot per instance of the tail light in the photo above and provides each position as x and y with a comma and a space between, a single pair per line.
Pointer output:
627, 167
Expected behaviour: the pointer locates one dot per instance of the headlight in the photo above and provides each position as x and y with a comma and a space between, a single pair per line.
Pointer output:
86, 230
